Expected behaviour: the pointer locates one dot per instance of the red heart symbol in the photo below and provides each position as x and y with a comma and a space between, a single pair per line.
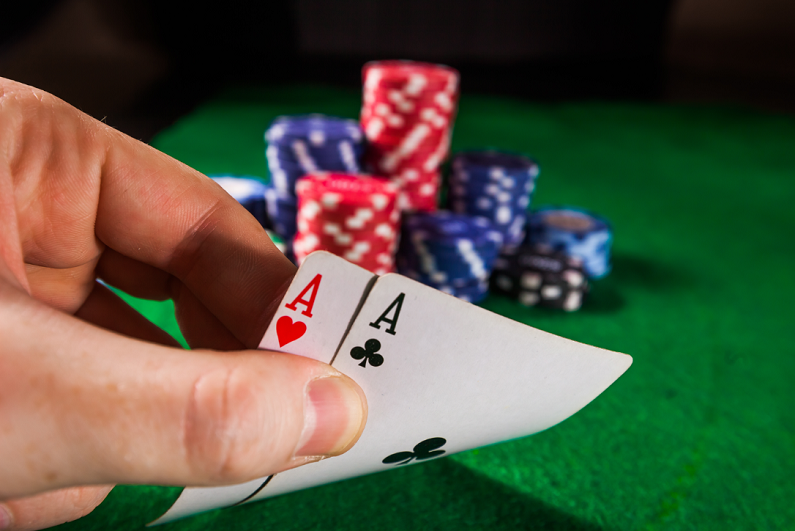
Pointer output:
288, 331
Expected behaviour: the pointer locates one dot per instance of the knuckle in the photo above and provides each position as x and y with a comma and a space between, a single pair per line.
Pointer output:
80, 501
229, 428
55, 507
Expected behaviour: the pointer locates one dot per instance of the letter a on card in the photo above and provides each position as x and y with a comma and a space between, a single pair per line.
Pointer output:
318, 307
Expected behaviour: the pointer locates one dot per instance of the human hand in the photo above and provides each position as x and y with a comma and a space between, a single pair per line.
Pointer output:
91, 393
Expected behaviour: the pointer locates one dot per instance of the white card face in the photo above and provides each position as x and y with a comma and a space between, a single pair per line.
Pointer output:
318, 307
311, 321
442, 376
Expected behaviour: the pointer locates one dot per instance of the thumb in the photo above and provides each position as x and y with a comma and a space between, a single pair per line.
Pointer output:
80, 406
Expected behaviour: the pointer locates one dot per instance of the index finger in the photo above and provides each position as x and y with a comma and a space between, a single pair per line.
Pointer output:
79, 187
159, 211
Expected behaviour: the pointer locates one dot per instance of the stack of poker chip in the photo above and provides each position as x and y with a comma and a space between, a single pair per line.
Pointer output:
353, 216
282, 211
249, 192
298, 145
450, 252
407, 116
496, 186
540, 276
575, 232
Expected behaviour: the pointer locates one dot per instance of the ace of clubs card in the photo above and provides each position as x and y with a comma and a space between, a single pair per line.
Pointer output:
441, 376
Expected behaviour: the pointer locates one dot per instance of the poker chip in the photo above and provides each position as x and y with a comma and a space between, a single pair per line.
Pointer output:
302, 144
450, 252
353, 216
249, 192
282, 210
538, 275
576, 232
408, 111
496, 186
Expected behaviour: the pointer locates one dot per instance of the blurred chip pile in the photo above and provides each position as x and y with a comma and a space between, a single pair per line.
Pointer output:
369, 191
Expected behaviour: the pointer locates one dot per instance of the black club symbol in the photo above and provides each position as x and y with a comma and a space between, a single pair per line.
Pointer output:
368, 353
424, 450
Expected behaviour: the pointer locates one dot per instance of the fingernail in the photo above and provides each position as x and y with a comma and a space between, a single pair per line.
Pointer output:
334, 415
5, 518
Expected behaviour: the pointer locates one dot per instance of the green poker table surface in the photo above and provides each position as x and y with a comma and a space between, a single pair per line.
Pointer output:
698, 434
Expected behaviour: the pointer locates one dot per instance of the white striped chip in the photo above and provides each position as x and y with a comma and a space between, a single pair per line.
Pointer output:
348, 156
384, 230
443, 100
361, 247
573, 278
330, 200
305, 160
573, 301
374, 129
497, 173
331, 228
343, 238
528, 298
427, 189
530, 280
310, 209
503, 215
551, 292
415, 84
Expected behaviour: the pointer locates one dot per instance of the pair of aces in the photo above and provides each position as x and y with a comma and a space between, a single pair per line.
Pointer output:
441, 375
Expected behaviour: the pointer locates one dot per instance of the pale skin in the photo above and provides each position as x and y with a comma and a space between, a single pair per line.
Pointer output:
91, 393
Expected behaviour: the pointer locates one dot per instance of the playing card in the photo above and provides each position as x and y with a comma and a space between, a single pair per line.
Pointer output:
318, 307
311, 321
442, 376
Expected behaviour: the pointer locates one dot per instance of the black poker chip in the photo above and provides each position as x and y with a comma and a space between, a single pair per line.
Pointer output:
540, 276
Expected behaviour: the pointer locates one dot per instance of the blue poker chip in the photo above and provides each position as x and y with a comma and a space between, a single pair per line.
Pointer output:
490, 159
448, 251
283, 212
496, 186
303, 144
317, 128
249, 192
471, 291
450, 229
576, 232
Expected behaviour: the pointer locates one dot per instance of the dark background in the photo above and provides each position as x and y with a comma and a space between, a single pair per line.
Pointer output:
139, 64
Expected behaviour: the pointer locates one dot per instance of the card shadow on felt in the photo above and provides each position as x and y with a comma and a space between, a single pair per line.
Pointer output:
440, 494
631, 272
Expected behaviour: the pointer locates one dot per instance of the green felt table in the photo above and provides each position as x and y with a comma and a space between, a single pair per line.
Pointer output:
698, 434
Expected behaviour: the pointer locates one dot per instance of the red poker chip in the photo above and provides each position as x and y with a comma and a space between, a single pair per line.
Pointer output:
379, 263
350, 188
361, 254
353, 216
395, 117
392, 71
308, 242
425, 138
344, 239
407, 116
